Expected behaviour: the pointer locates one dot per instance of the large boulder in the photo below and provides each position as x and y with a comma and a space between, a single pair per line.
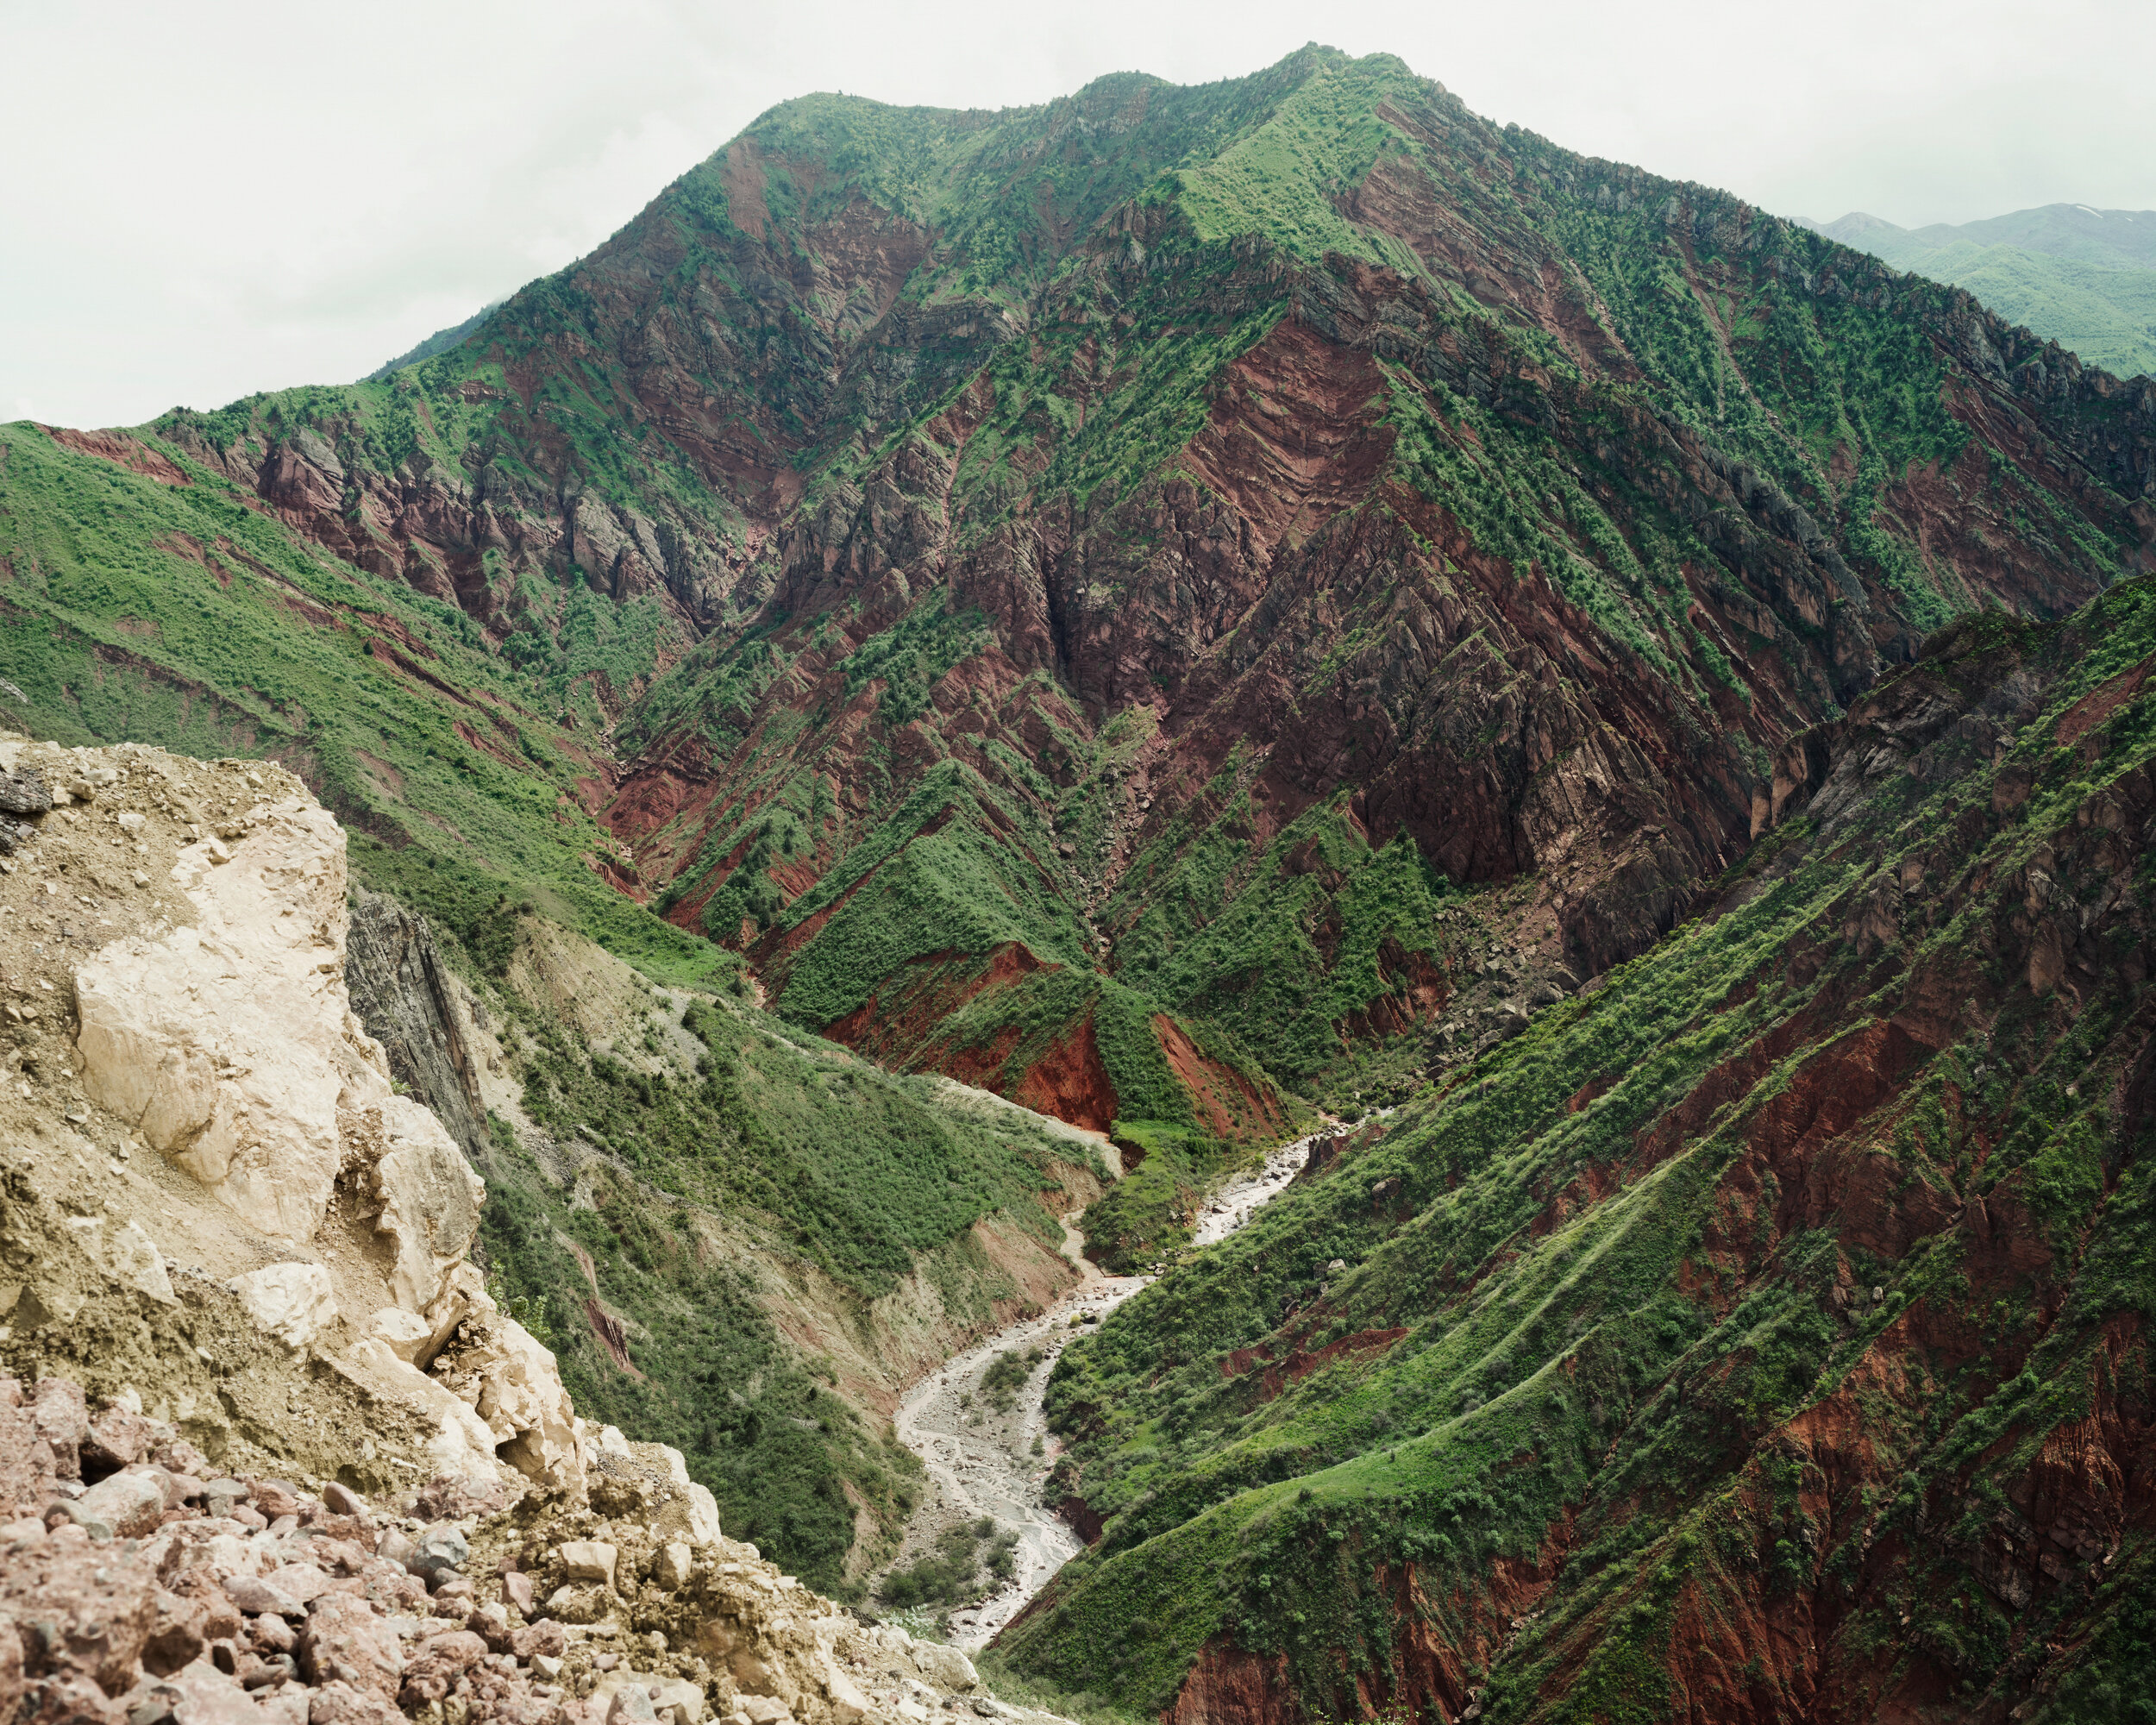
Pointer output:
430, 1201
293, 1301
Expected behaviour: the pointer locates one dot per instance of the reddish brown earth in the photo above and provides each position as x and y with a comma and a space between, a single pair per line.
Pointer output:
130, 453
1229, 1105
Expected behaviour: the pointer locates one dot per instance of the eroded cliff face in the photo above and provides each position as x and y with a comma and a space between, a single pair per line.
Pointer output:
1757, 1334
195, 1090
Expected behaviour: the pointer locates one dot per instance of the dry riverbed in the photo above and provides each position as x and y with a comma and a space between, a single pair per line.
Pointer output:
987, 1461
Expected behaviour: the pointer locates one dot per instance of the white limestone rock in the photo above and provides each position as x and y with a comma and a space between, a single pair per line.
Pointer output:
292, 1301
229, 1045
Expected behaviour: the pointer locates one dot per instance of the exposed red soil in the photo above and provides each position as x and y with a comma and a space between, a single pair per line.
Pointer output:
1069, 1081
899, 1017
1229, 1105
2101, 702
117, 447
1281, 1374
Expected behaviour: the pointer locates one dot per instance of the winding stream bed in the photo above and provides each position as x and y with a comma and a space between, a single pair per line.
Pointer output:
980, 1462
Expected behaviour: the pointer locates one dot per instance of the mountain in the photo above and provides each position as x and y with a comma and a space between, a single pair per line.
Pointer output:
1179, 606
1069, 591
1761, 1334
2084, 278
2108, 239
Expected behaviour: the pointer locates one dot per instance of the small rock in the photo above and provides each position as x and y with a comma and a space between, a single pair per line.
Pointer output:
516, 1590
442, 1546
345, 1641
292, 1301
544, 1640
945, 1667
273, 1497
221, 1497
547, 1665
588, 1560
671, 1565
632, 1704
130, 1503
254, 1595
340, 1500
341, 1703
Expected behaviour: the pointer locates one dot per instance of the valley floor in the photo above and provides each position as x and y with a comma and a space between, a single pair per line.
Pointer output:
991, 1463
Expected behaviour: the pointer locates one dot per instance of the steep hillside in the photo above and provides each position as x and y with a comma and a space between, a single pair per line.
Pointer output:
737, 1240
1762, 1334
2083, 278
1072, 594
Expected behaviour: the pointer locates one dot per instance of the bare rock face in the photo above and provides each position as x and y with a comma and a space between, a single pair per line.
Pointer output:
430, 1201
229, 1045
521, 1400
292, 1301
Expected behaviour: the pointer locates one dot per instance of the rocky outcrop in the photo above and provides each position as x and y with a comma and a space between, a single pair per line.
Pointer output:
401, 991
216, 1031
165, 1592
226, 1043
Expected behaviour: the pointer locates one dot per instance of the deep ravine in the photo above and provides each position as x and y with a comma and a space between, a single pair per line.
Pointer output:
982, 1462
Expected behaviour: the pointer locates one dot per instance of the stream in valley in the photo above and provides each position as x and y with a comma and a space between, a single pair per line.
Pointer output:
981, 1461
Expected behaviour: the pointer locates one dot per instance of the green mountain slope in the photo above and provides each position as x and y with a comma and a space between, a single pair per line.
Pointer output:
1771, 1323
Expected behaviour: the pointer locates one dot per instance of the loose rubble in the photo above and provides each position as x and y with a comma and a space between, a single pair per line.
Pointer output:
140, 1586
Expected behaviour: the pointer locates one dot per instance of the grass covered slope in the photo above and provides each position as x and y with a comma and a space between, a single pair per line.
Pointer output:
145, 598
1769, 1324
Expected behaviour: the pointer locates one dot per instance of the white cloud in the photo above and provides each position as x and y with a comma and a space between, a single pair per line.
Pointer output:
202, 201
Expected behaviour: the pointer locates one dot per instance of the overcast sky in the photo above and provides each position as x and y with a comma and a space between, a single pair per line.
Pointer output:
201, 201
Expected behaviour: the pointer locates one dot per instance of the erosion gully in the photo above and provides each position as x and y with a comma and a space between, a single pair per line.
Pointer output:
981, 1461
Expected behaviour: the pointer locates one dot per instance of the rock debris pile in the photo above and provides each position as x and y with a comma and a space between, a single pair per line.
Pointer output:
139, 1586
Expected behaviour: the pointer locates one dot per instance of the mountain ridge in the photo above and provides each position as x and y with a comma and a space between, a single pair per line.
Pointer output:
2083, 277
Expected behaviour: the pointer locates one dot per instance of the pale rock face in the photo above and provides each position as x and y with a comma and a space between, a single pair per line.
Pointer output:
430, 1201
292, 1301
128, 1255
523, 1403
229, 1045
405, 1334
462, 1446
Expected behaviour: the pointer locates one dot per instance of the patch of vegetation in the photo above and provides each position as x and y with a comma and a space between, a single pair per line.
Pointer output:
1005, 1377
968, 1558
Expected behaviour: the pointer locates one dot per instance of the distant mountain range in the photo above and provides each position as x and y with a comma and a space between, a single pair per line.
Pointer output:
2085, 277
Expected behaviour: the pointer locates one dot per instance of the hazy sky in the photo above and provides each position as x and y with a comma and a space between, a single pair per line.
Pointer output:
201, 201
